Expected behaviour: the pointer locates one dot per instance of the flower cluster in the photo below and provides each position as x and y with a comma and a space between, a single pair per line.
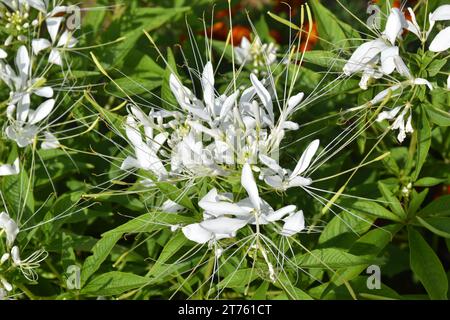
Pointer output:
381, 57
39, 26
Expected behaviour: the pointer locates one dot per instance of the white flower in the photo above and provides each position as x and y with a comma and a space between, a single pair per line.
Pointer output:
256, 53
9, 170
399, 122
280, 179
66, 40
23, 120
145, 151
28, 265
442, 40
222, 218
10, 227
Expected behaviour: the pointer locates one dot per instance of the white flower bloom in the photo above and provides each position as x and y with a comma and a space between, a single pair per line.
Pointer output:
9, 170
66, 40
442, 40
280, 179
10, 227
256, 53
170, 206
222, 218
24, 120
28, 266
399, 121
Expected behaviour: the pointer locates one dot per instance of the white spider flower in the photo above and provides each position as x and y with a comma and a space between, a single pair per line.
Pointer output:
280, 179
399, 120
10, 227
10, 170
28, 266
256, 53
380, 51
222, 218
66, 40
441, 42
23, 121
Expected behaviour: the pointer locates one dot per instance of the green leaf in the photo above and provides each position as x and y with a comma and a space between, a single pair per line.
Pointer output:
148, 222
331, 28
393, 202
428, 182
438, 116
375, 209
175, 194
114, 283
439, 207
17, 191
238, 279
427, 267
170, 249
437, 225
423, 144
436, 66
331, 258
344, 229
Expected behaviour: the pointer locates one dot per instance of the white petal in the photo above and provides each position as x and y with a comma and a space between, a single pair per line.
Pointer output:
9, 170
38, 4
293, 224
249, 184
223, 225
275, 182
15, 255
23, 62
50, 142
53, 25
208, 86
441, 42
41, 112
387, 59
363, 55
299, 182
66, 40
448, 82
263, 95
10, 227
23, 108
55, 57
280, 213
306, 158
129, 163
46, 92
388, 115
295, 101
196, 233
401, 67
228, 105
40, 44
408, 127
413, 26
420, 81
222, 208
394, 25
271, 164
441, 13
170, 206
3, 54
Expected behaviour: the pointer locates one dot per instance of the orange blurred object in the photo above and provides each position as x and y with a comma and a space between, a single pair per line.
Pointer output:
219, 31
240, 32
307, 44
